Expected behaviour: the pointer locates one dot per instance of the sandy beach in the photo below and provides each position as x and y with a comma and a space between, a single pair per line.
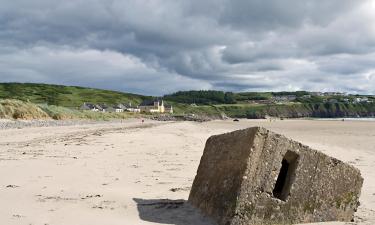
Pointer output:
140, 173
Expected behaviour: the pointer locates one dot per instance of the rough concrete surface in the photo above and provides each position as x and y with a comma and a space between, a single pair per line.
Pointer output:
255, 176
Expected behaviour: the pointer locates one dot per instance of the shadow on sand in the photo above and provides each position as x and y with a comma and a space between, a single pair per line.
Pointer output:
165, 211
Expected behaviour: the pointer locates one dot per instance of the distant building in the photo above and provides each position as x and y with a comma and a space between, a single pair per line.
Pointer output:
346, 100
127, 107
98, 107
106, 108
135, 110
119, 108
154, 106
168, 108
91, 107
362, 100
316, 93
333, 94
285, 98
306, 96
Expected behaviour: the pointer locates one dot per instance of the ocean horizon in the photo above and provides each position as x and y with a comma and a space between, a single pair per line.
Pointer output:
348, 119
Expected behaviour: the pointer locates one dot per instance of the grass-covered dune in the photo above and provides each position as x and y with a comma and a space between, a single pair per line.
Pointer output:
17, 109
67, 96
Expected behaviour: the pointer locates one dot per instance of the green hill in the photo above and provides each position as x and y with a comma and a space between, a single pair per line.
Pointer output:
67, 96
61, 102
299, 110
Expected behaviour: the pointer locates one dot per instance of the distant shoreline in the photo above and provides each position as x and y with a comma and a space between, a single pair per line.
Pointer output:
347, 119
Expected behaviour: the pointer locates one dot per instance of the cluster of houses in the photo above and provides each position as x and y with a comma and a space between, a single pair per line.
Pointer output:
362, 100
284, 98
147, 106
289, 98
106, 108
347, 100
328, 93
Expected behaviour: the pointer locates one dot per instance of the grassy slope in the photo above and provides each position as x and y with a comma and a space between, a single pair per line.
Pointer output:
61, 102
320, 110
67, 96
291, 110
16, 109
45, 101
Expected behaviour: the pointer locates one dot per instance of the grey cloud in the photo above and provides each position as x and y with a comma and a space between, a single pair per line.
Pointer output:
102, 69
231, 45
274, 14
347, 64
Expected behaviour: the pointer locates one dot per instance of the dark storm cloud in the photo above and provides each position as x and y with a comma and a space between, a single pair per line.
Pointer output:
232, 45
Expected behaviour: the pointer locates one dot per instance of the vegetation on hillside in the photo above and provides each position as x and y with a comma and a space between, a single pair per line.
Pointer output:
201, 97
290, 110
39, 101
67, 96
297, 110
16, 109
61, 113
219, 97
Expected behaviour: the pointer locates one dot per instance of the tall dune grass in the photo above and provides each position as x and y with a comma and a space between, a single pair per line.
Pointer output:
16, 109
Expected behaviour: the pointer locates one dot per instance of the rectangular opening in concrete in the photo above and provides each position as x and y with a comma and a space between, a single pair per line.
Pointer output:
286, 176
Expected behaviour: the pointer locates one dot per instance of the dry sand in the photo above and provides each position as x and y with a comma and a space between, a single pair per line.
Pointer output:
122, 173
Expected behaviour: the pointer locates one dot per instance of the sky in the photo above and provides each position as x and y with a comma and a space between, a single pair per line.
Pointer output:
158, 47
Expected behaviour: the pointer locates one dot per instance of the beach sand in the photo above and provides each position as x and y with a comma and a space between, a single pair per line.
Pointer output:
141, 173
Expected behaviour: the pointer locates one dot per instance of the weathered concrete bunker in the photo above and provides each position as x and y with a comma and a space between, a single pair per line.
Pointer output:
255, 176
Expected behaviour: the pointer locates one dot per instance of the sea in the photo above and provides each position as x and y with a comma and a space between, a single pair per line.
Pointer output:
347, 119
